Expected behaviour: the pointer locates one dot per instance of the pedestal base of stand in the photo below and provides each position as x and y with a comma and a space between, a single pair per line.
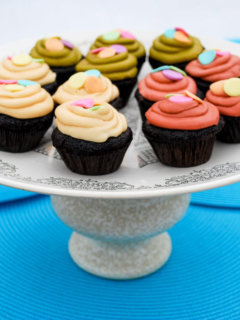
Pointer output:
120, 261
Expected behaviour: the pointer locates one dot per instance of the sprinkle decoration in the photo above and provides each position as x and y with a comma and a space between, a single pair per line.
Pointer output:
93, 72
172, 75
111, 36
95, 108
232, 87
21, 59
180, 99
127, 35
67, 44
169, 68
193, 96
54, 44
173, 94
218, 88
178, 34
207, 57
38, 60
86, 103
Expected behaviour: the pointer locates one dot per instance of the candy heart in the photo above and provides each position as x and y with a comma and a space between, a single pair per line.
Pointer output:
93, 72
172, 75
181, 37
193, 96
54, 44
182, 30
76, 81
218, 88
26, 83
2, 81
118, 48
86, 103
14, 87
180, 99
127, 35
21, 59
222, 53
107, 53
207, 57
178, 70
67, 44
38, 60
169, 33
232, 87
112, 35
160, 69
97, 50
93, 84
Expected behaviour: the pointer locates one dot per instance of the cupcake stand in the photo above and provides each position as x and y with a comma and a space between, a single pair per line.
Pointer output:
120, 221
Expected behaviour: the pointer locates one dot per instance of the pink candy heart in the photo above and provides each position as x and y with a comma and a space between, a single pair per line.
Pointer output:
222, 53
128, 35
97, 50
86, 103
180, 99
2, 81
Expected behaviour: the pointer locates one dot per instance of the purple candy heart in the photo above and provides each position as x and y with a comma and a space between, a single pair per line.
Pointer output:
172, 75
67, 44
118, 48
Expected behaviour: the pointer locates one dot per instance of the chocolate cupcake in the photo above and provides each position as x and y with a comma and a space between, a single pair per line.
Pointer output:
61, 56
212, 66
175, 47
90, 84
161, 82
116, 64
182, 129
124, 38
225, 95
23, 66
92, 139
26, 112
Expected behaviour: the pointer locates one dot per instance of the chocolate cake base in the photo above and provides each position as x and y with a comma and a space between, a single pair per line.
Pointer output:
230, 133
50, 87
125, 88
156, 63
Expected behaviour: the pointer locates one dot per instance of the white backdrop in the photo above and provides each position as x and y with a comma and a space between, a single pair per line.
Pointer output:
25, 18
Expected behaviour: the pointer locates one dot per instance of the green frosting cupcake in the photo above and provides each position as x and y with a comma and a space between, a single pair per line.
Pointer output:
123, 38
113, 65
56, 52
175, 46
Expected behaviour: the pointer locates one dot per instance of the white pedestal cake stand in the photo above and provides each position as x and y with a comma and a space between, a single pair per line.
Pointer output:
119, 220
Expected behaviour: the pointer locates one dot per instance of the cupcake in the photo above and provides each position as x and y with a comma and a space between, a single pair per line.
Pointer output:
26, 112
115, 63
161, 82
91, 138
89, 84
175, 47
23, 66
182, 129
124, 38
212, 66
225, 95
59, 54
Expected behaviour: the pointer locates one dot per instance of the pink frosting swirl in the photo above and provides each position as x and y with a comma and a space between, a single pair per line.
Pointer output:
228, 106
222, 67
155, 86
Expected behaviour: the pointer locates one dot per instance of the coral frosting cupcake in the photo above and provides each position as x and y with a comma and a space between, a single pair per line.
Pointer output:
114, 63
25, 114
225, 95
59, 54
182, 129
90, 84
124, 38
91, 138
175, 47
23, 66
161, 82
212, 66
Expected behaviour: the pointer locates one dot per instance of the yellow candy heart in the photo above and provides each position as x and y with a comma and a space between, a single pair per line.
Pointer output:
181, 37
232, 87
218, 88
21, 59
14, 87
77, 80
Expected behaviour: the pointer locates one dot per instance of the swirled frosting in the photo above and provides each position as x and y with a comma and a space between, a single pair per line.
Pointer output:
229, 106
34, 71
222, 67
31, 102
63, 58
91, 125
171, 51
66, 93
118, 67
190, 115
133, 46
155, 86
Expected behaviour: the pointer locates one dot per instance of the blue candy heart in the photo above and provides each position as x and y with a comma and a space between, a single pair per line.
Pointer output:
93, 72
160, 69
26, 83
207, 57
169, 33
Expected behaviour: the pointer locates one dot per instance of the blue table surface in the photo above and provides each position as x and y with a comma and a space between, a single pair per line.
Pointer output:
39, 281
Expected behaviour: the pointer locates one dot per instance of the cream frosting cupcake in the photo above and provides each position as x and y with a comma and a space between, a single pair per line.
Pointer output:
23, 66
25, 114
91, 138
